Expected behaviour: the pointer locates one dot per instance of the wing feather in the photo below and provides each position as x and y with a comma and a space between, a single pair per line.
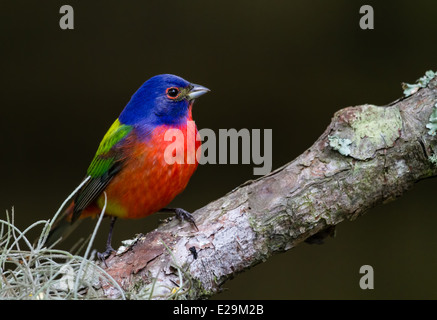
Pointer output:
107, 162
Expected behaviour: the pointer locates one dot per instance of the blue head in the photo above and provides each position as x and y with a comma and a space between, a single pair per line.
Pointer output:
162, 100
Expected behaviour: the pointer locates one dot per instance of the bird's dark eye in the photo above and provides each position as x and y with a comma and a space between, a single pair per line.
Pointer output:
173, 92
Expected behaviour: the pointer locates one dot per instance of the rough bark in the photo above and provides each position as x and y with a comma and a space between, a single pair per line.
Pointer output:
367, 156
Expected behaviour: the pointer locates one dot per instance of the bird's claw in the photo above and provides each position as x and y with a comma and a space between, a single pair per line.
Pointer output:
105, 255
183, 215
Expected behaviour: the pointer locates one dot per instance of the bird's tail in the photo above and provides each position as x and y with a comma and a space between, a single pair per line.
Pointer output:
62, 227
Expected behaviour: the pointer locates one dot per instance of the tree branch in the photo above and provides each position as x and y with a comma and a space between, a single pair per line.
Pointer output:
367, 156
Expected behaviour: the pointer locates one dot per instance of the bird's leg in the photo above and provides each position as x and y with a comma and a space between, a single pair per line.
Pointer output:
182, 215
103, 255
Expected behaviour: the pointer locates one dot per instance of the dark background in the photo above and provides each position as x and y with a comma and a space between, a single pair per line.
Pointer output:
281, 65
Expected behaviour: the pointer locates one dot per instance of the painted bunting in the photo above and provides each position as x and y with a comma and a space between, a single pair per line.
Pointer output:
129, 172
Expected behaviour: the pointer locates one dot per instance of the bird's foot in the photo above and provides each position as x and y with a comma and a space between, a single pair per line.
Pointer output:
183, 215
105, 255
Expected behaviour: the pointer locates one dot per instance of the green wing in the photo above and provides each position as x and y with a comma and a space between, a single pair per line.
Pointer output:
105, 157
106, 164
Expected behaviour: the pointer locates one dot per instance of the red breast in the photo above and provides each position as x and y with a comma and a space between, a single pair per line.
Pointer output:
147, 182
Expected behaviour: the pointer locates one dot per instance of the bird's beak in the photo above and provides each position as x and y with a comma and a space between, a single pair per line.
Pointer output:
196, 91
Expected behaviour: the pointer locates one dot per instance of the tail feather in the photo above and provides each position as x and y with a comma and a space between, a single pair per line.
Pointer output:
62, 227
65, 223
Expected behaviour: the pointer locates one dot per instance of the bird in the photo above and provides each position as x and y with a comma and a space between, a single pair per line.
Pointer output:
129, 175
